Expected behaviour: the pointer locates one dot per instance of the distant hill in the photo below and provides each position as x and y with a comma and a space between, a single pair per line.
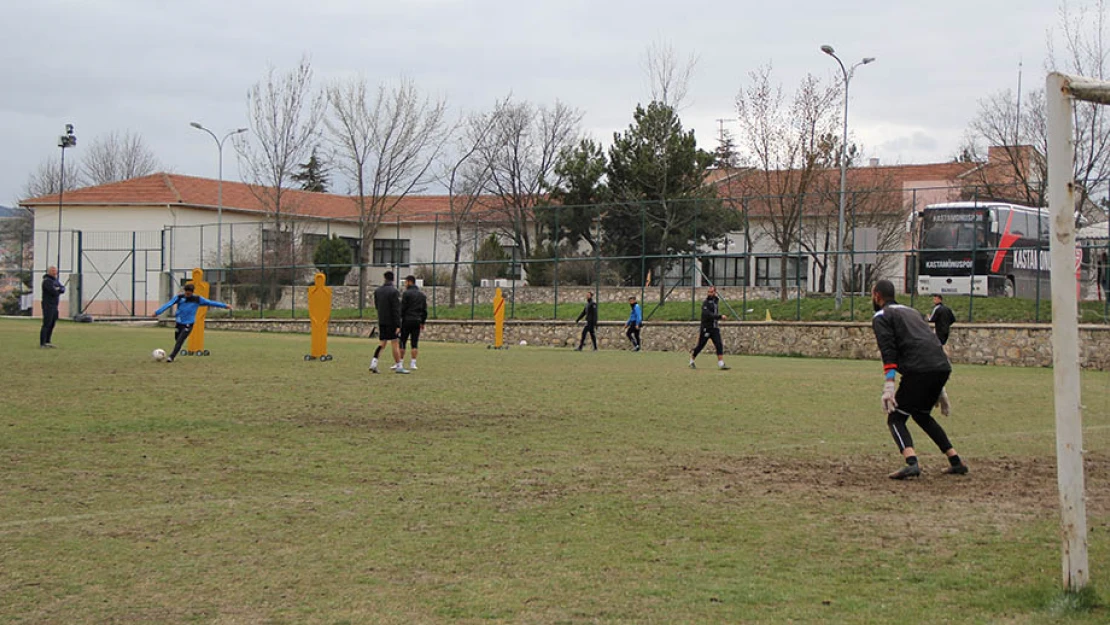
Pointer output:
8, 212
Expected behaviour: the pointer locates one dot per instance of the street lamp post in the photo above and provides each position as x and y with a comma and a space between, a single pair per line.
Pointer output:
847, 73
219, 196
67, 140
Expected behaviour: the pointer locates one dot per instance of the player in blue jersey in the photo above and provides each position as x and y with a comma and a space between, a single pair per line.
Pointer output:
187, 303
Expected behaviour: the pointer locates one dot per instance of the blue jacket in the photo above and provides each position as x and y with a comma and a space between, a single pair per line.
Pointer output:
187, 306
636, 318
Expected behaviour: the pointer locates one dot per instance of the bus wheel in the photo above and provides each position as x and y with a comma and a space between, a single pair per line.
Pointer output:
1009, 289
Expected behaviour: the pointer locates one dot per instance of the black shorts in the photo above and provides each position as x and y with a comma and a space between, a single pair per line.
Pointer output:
387, 333
410, 330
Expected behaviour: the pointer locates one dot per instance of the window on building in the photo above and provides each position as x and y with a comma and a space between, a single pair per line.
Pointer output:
516, 265
726, 270
392, 252
276, 241
768, 271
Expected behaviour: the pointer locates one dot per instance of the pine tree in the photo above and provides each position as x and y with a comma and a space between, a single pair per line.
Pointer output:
313, 175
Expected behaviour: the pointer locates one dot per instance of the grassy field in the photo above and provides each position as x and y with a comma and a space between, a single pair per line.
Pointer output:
532, 485
981, 310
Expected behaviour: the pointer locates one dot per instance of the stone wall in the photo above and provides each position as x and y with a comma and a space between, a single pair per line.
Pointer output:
1018, 345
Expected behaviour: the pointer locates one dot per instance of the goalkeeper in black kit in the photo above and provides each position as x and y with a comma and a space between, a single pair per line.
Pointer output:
910, 348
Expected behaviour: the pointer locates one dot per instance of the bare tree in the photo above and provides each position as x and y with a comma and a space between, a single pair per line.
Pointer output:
465, 176
1008, 140
520, 153
284, 115
668, 76
789, 143
46, 179
1014, 124
117, 156
386, 143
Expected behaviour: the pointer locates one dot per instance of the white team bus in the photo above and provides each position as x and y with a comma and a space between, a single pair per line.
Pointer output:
983, 248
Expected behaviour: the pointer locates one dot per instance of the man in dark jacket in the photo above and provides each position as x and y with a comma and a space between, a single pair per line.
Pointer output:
710, 329
387, 299
942, 317
414, 312
910, 348
51, 292
590, 314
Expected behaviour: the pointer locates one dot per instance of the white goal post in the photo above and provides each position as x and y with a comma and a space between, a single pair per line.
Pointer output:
1060, 92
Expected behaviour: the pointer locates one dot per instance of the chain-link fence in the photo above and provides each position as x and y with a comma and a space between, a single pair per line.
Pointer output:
782, 256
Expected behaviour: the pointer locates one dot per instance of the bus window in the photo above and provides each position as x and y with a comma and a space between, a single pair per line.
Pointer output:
1002, 215
940, 237
1044, 229
1019, 224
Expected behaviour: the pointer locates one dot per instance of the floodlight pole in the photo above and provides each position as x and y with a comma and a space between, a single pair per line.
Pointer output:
67, 140
219, 199
1059, 92
847, 75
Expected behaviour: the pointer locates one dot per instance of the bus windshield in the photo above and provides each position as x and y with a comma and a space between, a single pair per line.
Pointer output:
948, 231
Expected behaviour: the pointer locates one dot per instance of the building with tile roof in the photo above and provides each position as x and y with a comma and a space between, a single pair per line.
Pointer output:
168, 223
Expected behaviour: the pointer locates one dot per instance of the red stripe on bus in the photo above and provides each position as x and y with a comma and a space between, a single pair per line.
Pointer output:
1004, 245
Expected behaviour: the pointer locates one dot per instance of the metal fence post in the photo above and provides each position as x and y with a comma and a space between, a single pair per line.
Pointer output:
555, 270
435, 274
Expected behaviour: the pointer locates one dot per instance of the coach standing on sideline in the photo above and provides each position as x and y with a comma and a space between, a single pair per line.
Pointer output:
387, 300
51, 292
909, 347
942, 317
414, 312
710, 329
590, 313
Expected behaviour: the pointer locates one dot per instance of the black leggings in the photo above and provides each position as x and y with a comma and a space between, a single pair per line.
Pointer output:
49, 318
180, 333
916, 396
704, 337
593, 336
633, 334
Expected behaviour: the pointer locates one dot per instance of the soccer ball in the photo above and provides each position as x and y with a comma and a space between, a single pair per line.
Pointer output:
523, 342
158, 354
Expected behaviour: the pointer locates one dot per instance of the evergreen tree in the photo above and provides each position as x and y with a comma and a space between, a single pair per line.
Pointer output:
726, 157
492, 261
662, 205
333, 258
579, 196
313, 175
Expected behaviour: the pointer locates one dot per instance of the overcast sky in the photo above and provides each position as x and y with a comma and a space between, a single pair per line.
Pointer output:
152, 66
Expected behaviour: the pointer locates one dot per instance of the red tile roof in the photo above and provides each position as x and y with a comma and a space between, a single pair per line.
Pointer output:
162, 189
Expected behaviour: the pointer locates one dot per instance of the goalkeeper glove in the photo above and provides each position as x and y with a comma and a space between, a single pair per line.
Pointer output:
945, 405
889, 403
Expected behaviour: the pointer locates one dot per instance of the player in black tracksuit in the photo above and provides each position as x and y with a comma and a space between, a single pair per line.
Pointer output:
387, 300
710, 329
942, 317
414, 312
590, 313
910, 348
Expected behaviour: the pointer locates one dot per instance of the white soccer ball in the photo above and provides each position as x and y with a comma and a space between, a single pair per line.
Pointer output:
523, 342
158, 354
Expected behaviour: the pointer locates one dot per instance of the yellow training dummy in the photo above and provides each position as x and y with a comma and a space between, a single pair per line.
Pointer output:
196, 338
319, 312
498, 319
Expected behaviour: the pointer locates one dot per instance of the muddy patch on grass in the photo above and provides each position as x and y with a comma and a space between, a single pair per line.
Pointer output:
1005, 489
